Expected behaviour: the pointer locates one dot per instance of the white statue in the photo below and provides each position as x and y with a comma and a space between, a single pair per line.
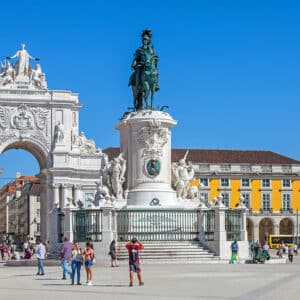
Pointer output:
117, 175
58, 132
38, 77
8, 73
103, 191
22, 66
85, 144
182, 173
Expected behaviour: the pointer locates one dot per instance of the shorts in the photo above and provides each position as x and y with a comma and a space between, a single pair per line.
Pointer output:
88, 263
135, 267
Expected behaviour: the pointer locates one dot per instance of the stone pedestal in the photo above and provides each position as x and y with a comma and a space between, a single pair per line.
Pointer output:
146, 145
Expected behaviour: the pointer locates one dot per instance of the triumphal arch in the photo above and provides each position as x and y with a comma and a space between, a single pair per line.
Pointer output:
45, 123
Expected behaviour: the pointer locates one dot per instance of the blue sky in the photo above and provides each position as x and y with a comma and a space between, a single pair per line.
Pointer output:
229, 70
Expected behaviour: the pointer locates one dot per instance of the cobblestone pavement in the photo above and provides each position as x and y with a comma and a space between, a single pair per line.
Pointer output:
178, 281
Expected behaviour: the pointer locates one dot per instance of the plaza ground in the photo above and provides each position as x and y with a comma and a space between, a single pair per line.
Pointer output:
177, 281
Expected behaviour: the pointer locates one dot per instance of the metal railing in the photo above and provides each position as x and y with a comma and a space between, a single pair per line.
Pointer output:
87, 225
209, 225
233, 224
158, 224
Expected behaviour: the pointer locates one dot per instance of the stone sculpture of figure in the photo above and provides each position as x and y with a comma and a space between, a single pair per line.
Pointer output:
22, 65
38, 77
85, 144
182, 173
144, 79
58, 132
103, 191
117, 171
8, 73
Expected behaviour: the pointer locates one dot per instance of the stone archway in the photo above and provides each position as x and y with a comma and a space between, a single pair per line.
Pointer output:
266, 227
250, 230
286, 226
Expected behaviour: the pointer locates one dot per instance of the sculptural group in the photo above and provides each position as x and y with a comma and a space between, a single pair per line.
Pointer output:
22, 71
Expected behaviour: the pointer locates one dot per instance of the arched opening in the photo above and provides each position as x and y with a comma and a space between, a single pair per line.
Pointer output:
266, 227
23, 191
250, 230
286, 226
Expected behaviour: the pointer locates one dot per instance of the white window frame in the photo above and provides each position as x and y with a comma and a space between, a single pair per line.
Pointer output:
244, 186
284, 185
221, 183
285, 200
262, 201
248, 195
266, 186
227, 197
204, 179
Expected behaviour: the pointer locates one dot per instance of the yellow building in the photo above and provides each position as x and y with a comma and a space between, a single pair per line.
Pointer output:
268, 183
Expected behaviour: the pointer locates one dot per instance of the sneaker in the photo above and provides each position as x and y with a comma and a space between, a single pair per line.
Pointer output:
64, 278
89, 283
141, 283
78, 283
130, 284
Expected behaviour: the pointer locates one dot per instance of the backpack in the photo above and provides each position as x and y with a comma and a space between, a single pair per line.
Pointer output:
133, 254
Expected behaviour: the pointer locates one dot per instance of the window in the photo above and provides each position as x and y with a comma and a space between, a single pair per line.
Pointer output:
245, 182
224, 182
246, 197
204, 197
89, 198
266, 202
38, 212
225, 199
38, 198
266, 182
286, 182
38, 227
204, 181
286, 202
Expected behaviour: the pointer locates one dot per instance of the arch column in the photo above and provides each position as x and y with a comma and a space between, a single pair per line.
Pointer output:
55, 194
256, 232
276, 227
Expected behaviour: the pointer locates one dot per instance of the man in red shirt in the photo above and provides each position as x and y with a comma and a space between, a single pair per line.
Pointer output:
134, 248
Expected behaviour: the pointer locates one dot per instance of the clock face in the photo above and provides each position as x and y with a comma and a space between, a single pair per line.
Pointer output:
153, 167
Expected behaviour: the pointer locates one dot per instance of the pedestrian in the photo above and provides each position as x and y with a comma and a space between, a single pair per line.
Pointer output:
76, 262
296, 249
89, 257
65, 256
291, 254
266, 246
113, 254
234, 252
134, 247
40, 252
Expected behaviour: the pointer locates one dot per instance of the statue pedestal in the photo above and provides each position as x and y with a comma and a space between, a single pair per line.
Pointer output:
146, 145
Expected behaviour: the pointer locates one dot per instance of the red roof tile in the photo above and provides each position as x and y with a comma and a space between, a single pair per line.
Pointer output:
222, 156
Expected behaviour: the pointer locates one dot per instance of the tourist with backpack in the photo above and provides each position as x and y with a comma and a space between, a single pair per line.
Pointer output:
134, 248
234, 252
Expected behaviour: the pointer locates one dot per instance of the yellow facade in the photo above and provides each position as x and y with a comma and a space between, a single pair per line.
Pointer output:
255, 190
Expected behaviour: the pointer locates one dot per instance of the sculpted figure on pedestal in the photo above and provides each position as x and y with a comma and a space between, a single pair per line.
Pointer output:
182, 174
117, 175
58, 132
144, 79
22, 66
87, 146
7, 73
38, 77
